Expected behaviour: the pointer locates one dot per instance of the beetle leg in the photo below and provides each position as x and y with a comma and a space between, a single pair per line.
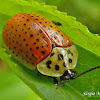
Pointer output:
66, 77
61, 83
55, 80
57, 23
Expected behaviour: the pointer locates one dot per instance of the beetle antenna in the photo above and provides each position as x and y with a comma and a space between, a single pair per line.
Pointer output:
61, 83
86, 72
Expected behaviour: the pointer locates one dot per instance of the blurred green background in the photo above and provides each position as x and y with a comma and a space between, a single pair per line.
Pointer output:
12, 88
85, 11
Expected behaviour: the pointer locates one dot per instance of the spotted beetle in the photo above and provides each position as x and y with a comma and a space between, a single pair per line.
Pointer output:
35, 41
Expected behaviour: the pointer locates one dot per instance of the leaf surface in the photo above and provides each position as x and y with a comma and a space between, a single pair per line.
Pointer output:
87, 43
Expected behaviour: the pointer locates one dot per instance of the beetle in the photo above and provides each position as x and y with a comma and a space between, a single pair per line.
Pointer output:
35, 41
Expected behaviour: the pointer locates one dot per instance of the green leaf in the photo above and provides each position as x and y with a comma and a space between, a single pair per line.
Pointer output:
9, 88
88, 46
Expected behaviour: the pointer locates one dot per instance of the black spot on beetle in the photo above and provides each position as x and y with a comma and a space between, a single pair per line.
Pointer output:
69, 52
37, 47
42, 52
50, 25
70, 60
43, 37
38, 34
40, 31
26, 55
34, 25
21, 50
25, 32
57, 23
37, 40
30, 48
26, 44
24, 24
60, 57
41, 46
64, 64
16, 55
19, 35
36, 19
33, 55
34, 43
56, 67
31, 35
48, 66
48, 62
27, 20
14, 47
24, 39
40, 22
52, 54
